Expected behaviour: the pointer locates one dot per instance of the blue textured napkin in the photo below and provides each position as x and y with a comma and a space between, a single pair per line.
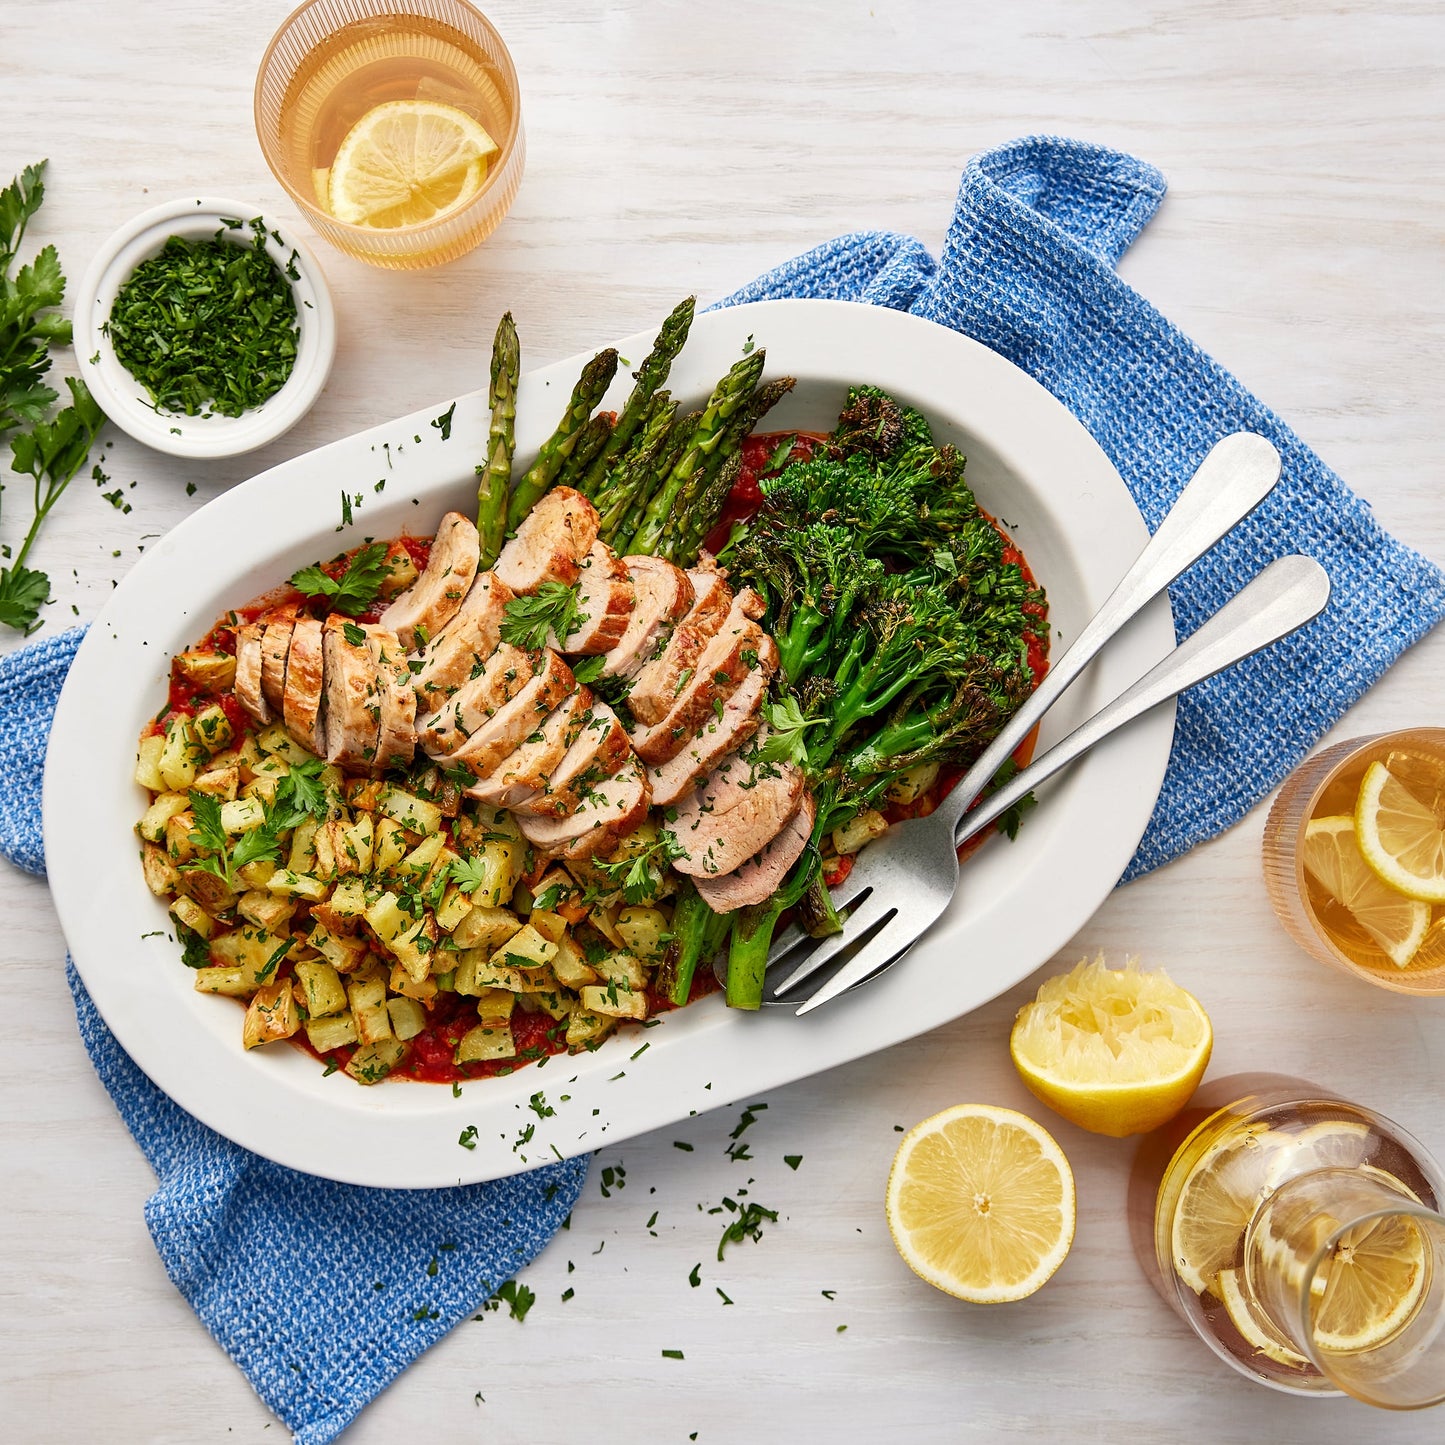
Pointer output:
273, 1262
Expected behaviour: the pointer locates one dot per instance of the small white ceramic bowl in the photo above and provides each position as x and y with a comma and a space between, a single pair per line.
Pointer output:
126, 402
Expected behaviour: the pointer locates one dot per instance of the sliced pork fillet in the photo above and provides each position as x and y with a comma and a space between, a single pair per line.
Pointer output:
505, 673
459, 652
733, 652
515, 721
731, 784
353, 706
610, 811
521, 773
758, 879
718, 736
604, 602
662, 596
551, 542
305, 670
660, 681
599, 750
247, 686
275, 648
396, 729
715, 843
436, 596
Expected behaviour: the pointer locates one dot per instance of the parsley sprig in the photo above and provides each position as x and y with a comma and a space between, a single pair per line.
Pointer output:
641, 876
225, 859
526, 621
785, 742
357, 587
50, 451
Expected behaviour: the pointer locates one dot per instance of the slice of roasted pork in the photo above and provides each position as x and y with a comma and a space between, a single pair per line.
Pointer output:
609, 811
396, 730
305, 670
733, 652
758, 878
730, 784
275, 647
662, 597
516, 720
718, 736
660, 680
551, 542
714, 843
604, 603
504, 674
460, 650
353, 706
599, 750
436, 596
521, 773
247, 686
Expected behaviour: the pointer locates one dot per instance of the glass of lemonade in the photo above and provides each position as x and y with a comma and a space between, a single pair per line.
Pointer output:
1353, 855
395, 125
1299, 1235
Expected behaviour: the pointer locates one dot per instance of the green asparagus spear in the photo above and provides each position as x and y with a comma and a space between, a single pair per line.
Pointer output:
649, 376
729, 395
591, 387
593, 439
652, 475
495, 475
619, 485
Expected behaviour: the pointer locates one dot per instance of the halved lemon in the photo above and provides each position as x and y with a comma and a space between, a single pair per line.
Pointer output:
408, 161
1216, 1204
1373, 1282
1332, 857
1400, 826
1254, 1331
980, 1203
1115, 1051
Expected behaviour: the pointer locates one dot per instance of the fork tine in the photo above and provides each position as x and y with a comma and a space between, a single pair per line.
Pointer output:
863, 917
794, 934
881, 949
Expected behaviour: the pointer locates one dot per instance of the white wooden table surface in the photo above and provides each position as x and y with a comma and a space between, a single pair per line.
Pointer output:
684, 147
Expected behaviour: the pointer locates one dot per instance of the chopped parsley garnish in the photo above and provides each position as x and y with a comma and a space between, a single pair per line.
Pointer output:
792, 1160
672, 1354
468, 873
300, 794
357, 587
443, 423
590, 668
553, 608
641, 876
468, 1137
695, 1278
786, 726
210, 834
747, 1225
353, 634
516, 1296
195, 950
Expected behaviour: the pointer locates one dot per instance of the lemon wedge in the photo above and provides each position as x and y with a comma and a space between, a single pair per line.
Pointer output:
1332, 857
408, 161
1115, 1051
1400, 827
980, 1203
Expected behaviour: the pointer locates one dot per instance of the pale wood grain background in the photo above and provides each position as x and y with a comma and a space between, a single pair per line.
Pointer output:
678, 147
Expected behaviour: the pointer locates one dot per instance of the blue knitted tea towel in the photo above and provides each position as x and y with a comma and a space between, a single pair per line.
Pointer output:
322, 1293
1028, 269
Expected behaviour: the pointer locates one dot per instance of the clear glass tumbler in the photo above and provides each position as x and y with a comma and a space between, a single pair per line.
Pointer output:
333, 61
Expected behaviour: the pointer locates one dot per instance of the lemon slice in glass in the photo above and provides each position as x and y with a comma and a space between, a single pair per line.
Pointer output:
1400, 827
1373, 1282
1331, 1144
1217, 1201
1115, 1051
408, 161
1332, 857
980, 1203
1253, 1330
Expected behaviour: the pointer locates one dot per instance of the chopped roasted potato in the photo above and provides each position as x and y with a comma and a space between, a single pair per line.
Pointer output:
322, 989
212, 672
332, 1032
271, 1015
481, 1043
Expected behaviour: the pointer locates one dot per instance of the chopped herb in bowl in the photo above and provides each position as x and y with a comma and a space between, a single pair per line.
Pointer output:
208, 326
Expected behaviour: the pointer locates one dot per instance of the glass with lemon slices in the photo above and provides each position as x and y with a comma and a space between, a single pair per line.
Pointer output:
1354, 858
395, 124
1299, 1235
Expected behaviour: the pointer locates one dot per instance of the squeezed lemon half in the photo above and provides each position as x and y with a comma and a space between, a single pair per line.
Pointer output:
407, 161
1115, 1051
980, 1203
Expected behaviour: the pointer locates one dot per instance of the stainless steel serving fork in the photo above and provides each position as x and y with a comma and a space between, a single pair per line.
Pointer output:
904, 881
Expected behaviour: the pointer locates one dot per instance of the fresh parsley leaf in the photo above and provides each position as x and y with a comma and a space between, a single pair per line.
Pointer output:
357, 587
300, 794
259, 845
23, 592
209, 833
443, 423
526, 621
747, 1225
353, 634
469, 873
195, 950
590, 668
641, 876
786, 726
779, 458
517, 1297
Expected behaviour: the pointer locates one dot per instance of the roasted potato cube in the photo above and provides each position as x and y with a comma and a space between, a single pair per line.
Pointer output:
475, 972
212, 728
419, 861
290, 884
322, 842
363, 793
248, 757
355, 847
912, 784
277, 742
302, 858
218, 783
367, 997
586, 1029
160, 875
558, 1005
389, 845
231, 981
616, 1000
495, 1006
243, 815
266, 910
152, 826
570, 965
348, 900
371, 1063
414, 988
343, 952
525, 949
557, 892
486, 928
481, 1043
408, 1017
645, 931
552, 926
321, 989
148, 762
179, 828
400, 571
272, 1014
214, 894
177, 764
626, 968
190, 913
454, 907
604, 920
257, 874
414, 814
212, 672
860, 831
256, 950
331, 1032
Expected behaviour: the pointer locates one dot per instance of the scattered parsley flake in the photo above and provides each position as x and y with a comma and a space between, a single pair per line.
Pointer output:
792, 1160
672, 1354
443, 423
468, 1137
